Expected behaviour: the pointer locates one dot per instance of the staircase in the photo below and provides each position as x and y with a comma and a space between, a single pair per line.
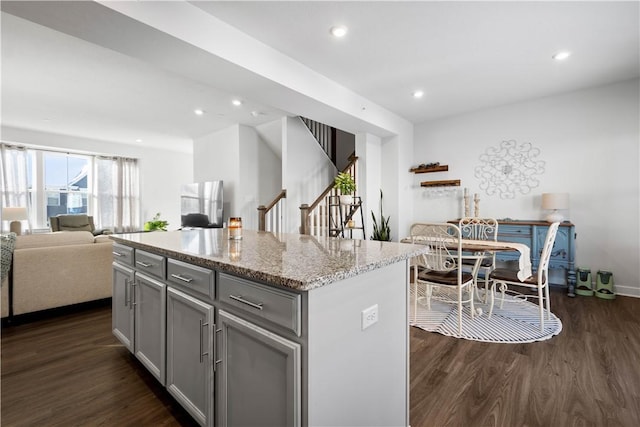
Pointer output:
325, 135
324, 217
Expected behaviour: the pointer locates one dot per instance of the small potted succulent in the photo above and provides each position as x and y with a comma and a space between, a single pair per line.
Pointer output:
345, 184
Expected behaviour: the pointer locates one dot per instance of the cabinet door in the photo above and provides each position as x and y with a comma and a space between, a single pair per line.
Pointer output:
258, 376
149, 320
190, 354
121, 305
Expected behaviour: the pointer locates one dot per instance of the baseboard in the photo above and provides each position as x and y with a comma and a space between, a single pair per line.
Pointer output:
627, 291
53, 312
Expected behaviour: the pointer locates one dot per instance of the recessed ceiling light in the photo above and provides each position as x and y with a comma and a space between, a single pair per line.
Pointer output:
198, 112
339, 31
418, 94
562, 55
138, 140
236, 102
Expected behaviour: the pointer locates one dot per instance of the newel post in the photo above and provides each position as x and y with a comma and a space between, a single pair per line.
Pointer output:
304, 219
262, 214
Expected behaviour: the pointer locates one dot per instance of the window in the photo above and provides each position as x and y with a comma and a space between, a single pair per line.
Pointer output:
58, 184
51, 183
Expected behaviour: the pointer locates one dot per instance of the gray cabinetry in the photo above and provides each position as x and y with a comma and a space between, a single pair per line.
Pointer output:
149, 320
121, 304
139, 306
190, 330
274, 305
259, 375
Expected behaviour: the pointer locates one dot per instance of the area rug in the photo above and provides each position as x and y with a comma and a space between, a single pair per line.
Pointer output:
517, 322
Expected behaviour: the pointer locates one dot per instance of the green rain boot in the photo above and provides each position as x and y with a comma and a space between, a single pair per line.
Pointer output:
604, 285
583, 282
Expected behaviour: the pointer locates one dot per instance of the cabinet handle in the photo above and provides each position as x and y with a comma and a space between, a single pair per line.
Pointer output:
126, 292
117, 253
244, 301
132, 294
143, 264
215, 351
201, 344
184, 279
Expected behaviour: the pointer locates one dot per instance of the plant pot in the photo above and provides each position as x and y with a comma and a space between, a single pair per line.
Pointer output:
346, 199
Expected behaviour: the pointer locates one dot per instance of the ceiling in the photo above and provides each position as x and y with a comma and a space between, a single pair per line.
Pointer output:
465, 56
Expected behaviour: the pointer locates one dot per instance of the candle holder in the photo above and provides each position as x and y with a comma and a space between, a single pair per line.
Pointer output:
235, 228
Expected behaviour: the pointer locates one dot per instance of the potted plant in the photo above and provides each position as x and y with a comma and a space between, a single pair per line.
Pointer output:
156, 224
381, 231
345, 184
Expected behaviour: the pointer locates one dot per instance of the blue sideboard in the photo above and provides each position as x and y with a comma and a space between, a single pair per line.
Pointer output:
562, 266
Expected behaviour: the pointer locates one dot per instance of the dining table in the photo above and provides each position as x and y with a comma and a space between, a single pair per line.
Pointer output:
477, 250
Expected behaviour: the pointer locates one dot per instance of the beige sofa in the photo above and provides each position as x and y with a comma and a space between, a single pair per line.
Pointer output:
53, 270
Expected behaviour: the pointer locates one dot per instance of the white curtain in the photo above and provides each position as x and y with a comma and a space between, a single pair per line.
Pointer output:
116, 203
13, 176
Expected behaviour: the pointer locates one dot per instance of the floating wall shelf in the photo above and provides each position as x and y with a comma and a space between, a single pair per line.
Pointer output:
445, 183
441, 168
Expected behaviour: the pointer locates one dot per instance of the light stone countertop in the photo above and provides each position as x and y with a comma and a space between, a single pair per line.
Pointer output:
294, 261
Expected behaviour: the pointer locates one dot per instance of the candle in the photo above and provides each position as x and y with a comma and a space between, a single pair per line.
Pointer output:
235, 228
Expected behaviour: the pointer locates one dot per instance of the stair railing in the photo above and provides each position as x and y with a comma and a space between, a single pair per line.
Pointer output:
270, 217
314, 218
324, 134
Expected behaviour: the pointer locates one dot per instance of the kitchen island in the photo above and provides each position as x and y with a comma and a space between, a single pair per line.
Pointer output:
278, 329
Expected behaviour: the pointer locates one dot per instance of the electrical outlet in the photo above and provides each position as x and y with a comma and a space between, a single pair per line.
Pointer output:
369, 316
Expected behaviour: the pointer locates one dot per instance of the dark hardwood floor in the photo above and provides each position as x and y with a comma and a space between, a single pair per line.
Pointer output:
71, 371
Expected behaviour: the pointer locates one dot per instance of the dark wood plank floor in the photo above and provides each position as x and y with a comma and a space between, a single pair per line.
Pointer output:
70, 371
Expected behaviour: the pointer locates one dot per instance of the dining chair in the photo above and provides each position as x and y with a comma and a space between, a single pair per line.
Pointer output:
480, 229
501, 278
441, 265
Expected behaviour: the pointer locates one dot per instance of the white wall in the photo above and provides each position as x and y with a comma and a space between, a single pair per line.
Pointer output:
247, 165
590, 142
260, 175
368, 150
161, 171
306, 169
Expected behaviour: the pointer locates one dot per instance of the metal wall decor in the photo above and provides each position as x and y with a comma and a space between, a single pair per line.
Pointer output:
509, 169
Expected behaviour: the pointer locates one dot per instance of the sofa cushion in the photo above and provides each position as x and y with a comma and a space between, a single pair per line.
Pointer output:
74, 223
57, 238
103, 238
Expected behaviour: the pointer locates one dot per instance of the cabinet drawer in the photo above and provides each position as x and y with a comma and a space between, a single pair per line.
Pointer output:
152, 264
505, 231
278, 306
122, 254
196, 281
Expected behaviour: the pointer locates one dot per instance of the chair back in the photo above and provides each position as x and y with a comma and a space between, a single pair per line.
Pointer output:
543, 267
72, 222
444, 244
479, 228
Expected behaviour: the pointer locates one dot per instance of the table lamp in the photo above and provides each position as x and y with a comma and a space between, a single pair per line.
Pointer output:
555, 202
15, 215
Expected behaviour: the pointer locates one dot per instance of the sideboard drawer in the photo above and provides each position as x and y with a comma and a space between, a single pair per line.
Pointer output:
198, 281
152, 264
513, 231
278, 306
122, 254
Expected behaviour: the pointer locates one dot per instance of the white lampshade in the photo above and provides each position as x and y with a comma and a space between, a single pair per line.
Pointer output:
15, 215
555, 202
